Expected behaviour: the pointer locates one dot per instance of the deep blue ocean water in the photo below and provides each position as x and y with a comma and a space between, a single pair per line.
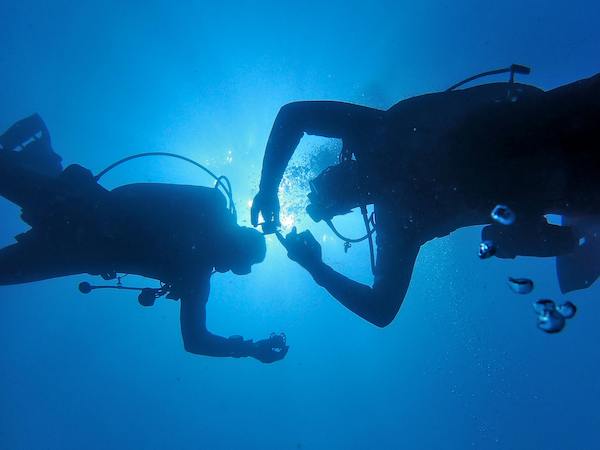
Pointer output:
463, 365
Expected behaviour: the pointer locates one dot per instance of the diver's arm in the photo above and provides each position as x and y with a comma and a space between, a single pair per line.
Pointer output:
378, 304
196, 338
320, 118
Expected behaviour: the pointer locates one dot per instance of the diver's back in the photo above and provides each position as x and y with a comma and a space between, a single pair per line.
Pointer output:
169, 220
179, 200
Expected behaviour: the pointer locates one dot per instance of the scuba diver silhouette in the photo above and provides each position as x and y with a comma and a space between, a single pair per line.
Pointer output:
176, 234
438, 162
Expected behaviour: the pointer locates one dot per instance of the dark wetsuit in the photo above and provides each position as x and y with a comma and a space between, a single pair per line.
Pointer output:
173, 230
173, 233
442, 161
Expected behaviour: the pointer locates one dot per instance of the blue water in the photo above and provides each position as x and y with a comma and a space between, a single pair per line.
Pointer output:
462, 366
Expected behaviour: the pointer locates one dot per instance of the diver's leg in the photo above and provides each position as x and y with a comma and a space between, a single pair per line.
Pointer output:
574, 109
584, 193
565, 124
29, 142
580, 268
585, 91
24, 187
538, 238
27, 262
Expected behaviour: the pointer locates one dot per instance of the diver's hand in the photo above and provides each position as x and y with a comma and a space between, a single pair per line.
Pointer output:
268, 205
270, 350
302, 248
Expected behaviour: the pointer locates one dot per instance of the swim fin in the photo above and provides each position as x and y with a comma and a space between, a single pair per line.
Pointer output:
580, 268
27, 129
29, 139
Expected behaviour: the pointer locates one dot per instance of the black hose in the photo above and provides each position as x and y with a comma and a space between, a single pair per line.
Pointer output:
222, 181
344, 238
367, 220
514, 68
370, 230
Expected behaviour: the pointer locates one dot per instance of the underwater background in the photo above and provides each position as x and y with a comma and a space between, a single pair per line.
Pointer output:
462, 366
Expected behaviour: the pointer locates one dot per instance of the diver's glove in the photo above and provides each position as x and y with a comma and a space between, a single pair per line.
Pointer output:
266, 204
302, 248
270, 350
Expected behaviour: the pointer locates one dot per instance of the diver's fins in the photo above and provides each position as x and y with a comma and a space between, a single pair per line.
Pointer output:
580, 268
25, 130
30, 140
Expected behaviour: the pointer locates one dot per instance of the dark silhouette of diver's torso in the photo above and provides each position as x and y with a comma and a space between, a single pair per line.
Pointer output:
442, 161
168, 230
163, 231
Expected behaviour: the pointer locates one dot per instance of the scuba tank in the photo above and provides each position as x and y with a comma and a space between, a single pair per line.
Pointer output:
147, 296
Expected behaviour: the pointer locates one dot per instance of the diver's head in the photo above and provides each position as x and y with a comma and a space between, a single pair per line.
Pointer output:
245, 247
337, 190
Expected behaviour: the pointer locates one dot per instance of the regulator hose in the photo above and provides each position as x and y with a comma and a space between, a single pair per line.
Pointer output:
220, 181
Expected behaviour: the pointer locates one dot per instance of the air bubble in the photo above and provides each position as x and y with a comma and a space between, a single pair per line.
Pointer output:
551, 322
521, 286
503, 215
544, 305
487, 249
567, 310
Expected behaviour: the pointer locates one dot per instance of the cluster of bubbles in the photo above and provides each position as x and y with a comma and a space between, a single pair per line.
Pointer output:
504, 216
295, 183
551, 318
